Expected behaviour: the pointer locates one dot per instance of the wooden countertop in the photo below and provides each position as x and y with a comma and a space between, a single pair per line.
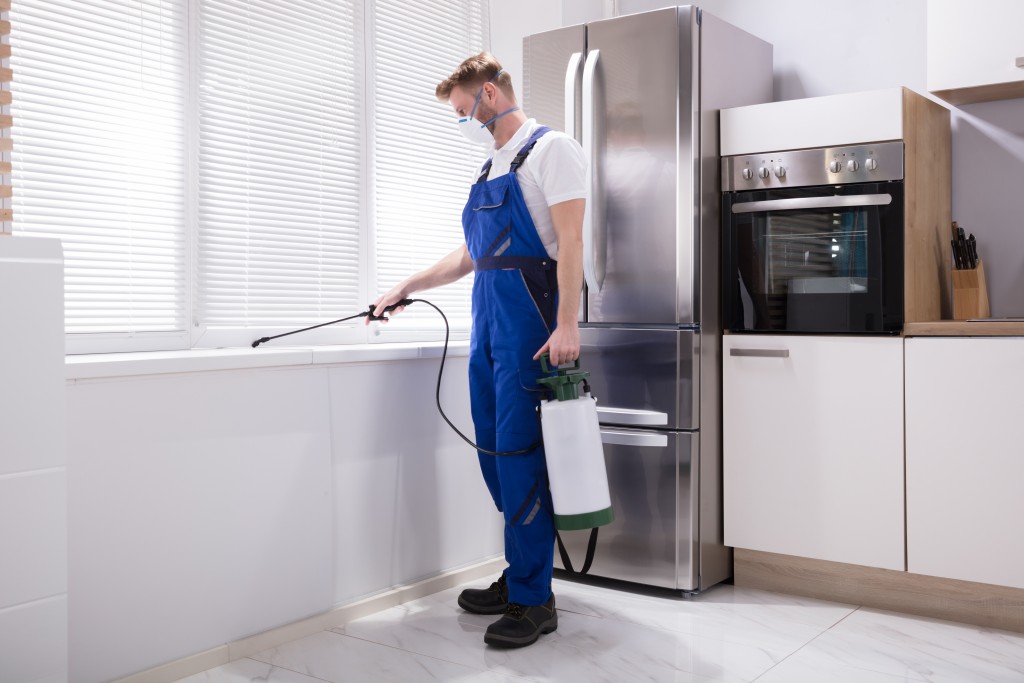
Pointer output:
962, 328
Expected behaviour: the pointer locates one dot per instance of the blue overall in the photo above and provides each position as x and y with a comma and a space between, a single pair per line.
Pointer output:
514, 310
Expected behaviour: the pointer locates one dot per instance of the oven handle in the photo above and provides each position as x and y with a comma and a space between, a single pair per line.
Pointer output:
834, 202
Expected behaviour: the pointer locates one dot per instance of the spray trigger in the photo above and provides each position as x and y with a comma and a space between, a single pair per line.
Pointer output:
387, 309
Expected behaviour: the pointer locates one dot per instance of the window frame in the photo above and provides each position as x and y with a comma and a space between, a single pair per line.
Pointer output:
196, 335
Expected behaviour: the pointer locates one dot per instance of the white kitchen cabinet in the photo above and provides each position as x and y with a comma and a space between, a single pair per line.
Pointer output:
976, 50
813, 447
965, 459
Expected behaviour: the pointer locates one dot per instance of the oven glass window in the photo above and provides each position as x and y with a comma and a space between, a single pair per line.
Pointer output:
814, 270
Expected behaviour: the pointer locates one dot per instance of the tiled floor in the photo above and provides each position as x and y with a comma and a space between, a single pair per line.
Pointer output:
727, 634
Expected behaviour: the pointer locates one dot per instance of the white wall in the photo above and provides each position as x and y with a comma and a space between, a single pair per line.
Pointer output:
988, 179
33, 491
208, 506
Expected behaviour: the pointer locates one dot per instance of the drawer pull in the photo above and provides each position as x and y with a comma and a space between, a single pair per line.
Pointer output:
760, 353
629, 416
641, 440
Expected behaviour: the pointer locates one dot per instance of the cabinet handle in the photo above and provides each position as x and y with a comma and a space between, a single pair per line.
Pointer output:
1020, 62
760, 353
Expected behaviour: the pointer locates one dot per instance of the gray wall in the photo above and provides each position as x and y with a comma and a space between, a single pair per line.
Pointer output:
825, 47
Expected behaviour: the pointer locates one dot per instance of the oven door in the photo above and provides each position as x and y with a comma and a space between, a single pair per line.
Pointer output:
825, 259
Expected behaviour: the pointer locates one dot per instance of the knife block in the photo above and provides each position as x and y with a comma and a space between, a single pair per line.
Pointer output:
970, 295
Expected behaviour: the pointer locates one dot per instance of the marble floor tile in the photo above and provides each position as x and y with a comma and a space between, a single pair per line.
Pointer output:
803, 669
918, 648
726, 635
587, 647
779, 624
249, 671
337, 658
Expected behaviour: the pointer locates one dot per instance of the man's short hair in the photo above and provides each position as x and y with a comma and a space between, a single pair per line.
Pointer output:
472, 74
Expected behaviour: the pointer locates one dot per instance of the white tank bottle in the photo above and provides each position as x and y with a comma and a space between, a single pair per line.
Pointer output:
575, 457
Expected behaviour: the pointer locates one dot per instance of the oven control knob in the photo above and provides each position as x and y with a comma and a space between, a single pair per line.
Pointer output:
780, 171
871, 163
748, 173
853, 165
835, 166
763, 172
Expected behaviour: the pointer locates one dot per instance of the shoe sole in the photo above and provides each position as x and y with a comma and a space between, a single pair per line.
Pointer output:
500, 609
548, 626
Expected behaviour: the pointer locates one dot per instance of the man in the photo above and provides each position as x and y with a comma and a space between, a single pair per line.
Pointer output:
524, 212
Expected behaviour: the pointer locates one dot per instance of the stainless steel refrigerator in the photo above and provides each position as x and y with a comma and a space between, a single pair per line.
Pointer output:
642, 94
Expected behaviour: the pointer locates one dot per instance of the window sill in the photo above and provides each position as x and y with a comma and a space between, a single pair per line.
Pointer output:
103, 365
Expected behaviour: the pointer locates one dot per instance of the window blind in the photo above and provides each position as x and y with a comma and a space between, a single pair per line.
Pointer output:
6, 143
280, 167
423, 166
98, 107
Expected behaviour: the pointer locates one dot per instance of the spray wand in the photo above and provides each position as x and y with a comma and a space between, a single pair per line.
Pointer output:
368, 313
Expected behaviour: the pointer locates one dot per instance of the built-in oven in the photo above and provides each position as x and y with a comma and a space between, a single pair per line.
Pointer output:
813, 241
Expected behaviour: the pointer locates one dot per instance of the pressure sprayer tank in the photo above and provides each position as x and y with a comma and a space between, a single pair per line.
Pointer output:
572, 447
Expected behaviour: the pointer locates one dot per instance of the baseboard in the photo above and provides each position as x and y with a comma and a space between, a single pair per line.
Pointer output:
229, 652
979, 604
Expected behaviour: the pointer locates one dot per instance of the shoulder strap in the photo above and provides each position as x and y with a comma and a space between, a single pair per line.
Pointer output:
527, 148
519, 158
484, 171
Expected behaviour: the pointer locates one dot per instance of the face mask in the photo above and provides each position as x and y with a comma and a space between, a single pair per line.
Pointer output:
477, 132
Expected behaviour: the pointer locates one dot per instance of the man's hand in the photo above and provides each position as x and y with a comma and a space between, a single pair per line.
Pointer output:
395, 294
449, 269
563, 345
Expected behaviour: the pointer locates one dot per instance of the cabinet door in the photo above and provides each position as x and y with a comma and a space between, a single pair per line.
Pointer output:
975, 46
813, 447
965, 462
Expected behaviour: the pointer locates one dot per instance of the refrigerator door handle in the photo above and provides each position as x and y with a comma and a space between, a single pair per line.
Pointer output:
593, 212
631, 416
835, 202
572, 77
641, 439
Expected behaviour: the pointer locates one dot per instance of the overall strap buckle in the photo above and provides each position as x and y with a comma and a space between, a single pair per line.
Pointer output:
527, 148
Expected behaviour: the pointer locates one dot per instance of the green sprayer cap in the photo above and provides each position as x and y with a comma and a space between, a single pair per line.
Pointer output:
564, 383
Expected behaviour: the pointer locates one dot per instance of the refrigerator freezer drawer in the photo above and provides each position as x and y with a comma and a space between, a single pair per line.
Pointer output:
643, 377
652, 477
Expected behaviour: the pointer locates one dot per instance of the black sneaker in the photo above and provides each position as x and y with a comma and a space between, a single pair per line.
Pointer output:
492, 600
522, 625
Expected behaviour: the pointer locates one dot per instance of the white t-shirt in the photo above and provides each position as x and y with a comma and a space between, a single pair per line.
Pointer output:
555, 171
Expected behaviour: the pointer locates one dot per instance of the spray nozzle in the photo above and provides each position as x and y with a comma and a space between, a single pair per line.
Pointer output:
368, 313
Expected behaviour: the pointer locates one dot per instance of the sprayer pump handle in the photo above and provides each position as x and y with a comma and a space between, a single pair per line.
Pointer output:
547, 367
